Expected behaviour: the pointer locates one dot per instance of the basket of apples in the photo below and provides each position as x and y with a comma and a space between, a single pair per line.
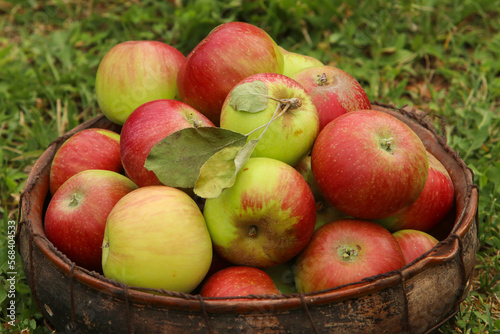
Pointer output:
245, 189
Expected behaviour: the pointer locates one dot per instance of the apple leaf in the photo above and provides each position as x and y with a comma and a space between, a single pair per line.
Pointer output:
250, 97
177, 159
219, 172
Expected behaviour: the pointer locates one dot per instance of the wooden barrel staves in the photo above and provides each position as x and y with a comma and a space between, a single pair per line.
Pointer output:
415, 299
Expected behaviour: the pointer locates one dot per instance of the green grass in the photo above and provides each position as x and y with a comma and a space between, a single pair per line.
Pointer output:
440, 56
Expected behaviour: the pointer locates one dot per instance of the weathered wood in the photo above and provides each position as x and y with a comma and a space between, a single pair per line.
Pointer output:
415, 299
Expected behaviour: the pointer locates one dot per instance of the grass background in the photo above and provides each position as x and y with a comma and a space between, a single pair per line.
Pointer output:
441, 56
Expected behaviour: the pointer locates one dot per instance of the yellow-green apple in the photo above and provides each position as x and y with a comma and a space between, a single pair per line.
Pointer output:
414, 243
156, 237
238, 281
77, 213
88, 149
146, 126
266, 218
431, 207
135, 72
346, 251
369, 164
333, 91
295, 62
290, 137
231, 52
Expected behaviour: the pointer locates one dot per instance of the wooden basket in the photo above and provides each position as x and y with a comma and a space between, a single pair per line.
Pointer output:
416, 299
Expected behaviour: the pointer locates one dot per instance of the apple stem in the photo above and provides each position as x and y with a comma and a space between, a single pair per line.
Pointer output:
252, 232
293, 103
272, 119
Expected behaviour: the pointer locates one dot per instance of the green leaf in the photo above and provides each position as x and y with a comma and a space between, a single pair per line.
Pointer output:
177, 159
219, 172
250, 97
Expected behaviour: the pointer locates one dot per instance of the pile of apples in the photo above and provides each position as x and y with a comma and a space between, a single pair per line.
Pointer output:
241, 169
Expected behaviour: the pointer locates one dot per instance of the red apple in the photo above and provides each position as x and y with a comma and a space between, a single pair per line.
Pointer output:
266, 218
230, 53
88, 149
431, 207
414, 243
146, 126
290, 137
76, 214
369, 164
346, 251
239, 281
133, 73
333, 91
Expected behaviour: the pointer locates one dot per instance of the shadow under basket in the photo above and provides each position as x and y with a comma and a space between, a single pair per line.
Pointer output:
418, 298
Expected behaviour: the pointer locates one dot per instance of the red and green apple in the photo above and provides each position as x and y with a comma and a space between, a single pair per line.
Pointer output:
346, 251
156, 237
431, 207
133, 73
237, 281
148, 125
88, 149
333, 91
369, 164
290, 137
228, 54
76, 214
266, 218
414, 243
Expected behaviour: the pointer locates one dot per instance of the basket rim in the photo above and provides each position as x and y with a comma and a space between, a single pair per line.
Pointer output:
442, 252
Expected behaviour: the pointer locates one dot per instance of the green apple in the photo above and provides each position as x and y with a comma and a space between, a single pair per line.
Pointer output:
266, 218
290, 137
156, 237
